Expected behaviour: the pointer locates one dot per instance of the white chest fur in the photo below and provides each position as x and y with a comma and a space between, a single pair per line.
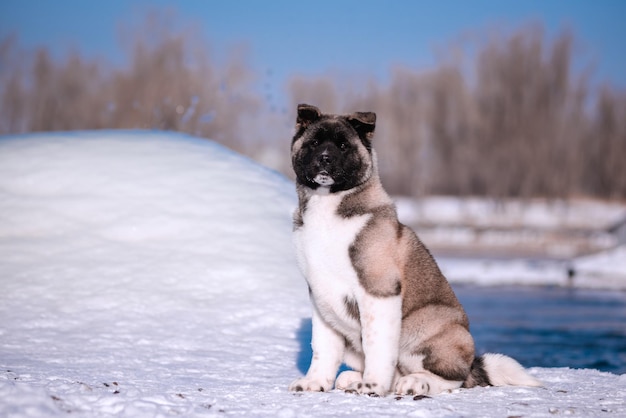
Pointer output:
322, 246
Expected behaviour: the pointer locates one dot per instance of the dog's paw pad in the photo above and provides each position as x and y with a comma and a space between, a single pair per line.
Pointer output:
367, 388
412, 386
309, 385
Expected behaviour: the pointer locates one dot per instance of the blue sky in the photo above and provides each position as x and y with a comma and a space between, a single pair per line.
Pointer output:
316, 37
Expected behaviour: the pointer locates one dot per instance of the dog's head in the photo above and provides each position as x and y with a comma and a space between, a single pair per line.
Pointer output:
333, 151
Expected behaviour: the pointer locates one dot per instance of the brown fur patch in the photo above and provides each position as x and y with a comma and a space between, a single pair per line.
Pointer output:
373, 255
352, 308
449, 354
423, 282
303, 200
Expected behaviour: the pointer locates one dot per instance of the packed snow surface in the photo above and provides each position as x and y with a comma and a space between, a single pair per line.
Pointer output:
152, 274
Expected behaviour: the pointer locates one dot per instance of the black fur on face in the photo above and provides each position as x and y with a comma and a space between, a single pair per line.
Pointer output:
332, 151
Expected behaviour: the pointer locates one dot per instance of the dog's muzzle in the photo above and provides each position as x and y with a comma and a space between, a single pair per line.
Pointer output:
324, 179
323, 163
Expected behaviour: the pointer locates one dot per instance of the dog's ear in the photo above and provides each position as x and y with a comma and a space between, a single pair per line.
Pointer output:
307, 114
364, 123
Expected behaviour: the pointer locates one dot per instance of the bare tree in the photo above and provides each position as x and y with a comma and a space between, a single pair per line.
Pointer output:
171, 83
521, 124
519, 127
604, 170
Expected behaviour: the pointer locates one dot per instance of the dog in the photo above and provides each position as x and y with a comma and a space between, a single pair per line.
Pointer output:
380, 303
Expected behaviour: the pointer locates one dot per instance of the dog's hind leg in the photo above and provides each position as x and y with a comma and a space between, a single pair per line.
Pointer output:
440, 363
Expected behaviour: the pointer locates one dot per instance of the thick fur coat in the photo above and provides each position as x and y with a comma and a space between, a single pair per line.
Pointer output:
380, 303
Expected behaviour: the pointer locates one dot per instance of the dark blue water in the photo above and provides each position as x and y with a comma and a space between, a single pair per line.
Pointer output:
549, 326
538, 326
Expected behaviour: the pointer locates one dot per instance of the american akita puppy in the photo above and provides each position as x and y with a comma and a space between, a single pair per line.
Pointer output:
380, 303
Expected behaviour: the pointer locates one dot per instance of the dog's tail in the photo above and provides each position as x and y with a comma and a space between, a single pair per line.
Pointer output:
498, 370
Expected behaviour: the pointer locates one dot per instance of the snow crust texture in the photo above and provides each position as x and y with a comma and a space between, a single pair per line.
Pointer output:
152, 274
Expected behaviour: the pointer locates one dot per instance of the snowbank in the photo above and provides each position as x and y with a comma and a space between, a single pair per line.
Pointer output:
152, 274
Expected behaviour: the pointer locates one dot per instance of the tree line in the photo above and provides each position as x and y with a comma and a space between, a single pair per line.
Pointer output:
512, 120
170, 83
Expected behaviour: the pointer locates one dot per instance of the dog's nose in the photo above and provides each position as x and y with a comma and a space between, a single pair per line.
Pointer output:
324, 160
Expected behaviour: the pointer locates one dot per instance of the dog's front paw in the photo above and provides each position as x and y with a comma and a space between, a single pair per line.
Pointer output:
367, 388
307, 384
412, 385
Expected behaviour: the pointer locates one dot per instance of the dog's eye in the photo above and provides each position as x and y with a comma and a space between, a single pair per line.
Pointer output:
314, 143
343, 145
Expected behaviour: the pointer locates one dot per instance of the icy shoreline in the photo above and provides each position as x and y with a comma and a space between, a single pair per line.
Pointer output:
152, 274
535, 242
603, 271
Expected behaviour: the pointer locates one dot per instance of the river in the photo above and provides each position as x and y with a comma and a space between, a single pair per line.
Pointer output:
549, 326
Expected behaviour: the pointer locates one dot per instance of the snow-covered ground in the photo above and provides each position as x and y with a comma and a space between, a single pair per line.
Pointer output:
152, 274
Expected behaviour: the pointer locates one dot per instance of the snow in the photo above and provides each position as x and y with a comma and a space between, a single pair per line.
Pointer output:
152, 274
532, 214
547, 236
536, 227
602, 269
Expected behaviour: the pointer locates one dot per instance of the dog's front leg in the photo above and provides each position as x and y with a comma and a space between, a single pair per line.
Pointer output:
381, 319
328, 350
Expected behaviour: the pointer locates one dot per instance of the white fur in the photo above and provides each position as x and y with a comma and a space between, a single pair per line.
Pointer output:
503, 371
348, 379
322, 245
324, 180
381, 320
424, 383
328, 349
322, 248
